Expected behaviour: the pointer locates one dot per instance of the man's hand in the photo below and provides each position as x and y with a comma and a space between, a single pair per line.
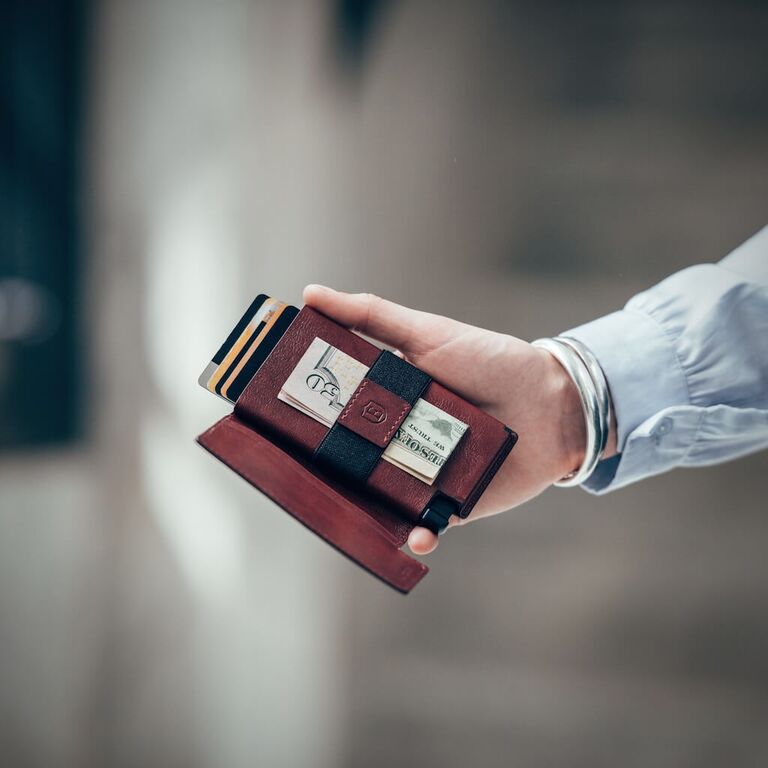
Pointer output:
522, 386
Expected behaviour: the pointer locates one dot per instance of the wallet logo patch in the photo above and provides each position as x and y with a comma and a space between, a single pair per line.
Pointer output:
374, 412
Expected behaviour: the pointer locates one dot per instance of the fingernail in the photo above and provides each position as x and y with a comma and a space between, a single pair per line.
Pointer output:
318, 288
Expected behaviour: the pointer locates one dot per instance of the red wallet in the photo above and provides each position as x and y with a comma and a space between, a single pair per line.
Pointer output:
333, 480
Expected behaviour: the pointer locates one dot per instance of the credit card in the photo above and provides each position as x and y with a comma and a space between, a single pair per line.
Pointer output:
217, 359
256, 353
247, 346
253, 325
253, 333
239, 328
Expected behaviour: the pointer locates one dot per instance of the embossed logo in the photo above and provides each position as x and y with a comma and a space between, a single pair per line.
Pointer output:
374, 412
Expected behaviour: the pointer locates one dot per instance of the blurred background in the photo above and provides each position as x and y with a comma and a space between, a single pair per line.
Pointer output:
524, 166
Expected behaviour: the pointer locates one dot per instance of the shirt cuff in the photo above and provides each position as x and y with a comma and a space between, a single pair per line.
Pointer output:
644, 376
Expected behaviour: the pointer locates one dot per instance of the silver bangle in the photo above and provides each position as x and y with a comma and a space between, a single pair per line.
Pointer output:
598, 377
595, 415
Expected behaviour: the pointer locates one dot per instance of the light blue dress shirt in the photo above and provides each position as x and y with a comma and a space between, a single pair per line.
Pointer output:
687, 366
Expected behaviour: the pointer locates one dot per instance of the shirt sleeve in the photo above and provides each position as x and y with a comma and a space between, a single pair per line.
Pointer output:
687, 366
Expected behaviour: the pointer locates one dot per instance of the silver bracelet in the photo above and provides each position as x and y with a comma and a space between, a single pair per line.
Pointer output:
593, 394
598, 378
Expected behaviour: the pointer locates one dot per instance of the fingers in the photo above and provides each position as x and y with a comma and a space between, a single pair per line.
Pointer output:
384, 320
422, 541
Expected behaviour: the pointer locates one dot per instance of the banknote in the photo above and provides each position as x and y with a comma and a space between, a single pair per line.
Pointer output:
322, 383
425, 440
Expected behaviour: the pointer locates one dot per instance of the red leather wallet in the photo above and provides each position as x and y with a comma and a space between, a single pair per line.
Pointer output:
333, 481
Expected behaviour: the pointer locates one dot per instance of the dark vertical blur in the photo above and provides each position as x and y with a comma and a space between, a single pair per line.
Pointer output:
355, 23
40, 355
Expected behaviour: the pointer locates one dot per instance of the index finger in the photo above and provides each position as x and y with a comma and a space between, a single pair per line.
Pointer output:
389, 323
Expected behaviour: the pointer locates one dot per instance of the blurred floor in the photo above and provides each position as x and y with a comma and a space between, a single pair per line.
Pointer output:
517, 165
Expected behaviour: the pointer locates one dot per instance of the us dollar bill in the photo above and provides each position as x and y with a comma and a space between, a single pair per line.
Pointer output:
323, 381
425, 440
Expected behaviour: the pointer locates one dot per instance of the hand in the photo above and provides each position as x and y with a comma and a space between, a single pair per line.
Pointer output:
522, 386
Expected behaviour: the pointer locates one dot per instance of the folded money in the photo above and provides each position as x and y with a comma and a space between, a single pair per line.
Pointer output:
323, 381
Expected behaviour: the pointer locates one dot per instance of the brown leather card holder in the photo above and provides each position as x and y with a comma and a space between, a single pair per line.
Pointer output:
333, 480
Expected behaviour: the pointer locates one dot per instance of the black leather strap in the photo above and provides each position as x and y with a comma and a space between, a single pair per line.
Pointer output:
351, 456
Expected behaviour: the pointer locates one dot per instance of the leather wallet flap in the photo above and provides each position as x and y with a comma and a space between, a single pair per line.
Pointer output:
298, 489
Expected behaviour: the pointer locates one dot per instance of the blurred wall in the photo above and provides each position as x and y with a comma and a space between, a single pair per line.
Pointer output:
523, 166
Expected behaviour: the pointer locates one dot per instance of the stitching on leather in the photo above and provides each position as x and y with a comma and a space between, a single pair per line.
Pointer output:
354, 397
398, 421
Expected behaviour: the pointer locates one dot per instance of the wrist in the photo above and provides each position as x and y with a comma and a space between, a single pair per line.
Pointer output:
566, 414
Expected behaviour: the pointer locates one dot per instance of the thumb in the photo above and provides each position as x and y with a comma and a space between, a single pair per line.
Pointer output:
380, 319
422, 541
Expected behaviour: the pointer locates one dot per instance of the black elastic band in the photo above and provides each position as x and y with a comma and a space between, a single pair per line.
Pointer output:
345, 452
401, 378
